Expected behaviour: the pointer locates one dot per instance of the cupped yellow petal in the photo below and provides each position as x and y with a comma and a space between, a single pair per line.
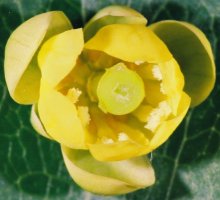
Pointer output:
130, 43
108, 178
26, 90
192, 50
163, 82
21, 70
154, 92
60, 117
167, 127
59, 54
157, 116
113, 15
172, 82
98, 60
77, 77
148, 71
115, 10
115, 139
36, 122
142, 112
108, 150
125, 146
172, 77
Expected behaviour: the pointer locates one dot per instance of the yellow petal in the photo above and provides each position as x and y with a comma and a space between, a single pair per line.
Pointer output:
172, 77
21, 71
148, 71
130, 43
167, 127
142, 112
77, 77
115, 139
108, 178
172, 82
154, 92
98, 59
114, 151
192, 51
115, 10
58, 55
113, 15
157, 116
36, 122
26, 90
60, 118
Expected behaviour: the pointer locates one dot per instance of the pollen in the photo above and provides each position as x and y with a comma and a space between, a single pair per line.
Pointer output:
73, 94
157, 115
83, 113
122, 137
157, 73
138, 62
162, 89
106, 140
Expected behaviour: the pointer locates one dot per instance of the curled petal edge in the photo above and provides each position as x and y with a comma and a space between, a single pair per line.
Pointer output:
22, 73
108, 178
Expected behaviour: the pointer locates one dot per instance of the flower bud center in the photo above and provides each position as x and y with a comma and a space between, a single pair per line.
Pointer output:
120, 90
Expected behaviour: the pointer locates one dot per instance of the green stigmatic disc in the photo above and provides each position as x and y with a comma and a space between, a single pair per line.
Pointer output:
120, 90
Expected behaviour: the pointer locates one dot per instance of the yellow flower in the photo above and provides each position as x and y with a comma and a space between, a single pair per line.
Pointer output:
109, 125
107, 100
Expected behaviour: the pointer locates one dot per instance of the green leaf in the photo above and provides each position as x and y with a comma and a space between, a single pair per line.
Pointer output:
187, 166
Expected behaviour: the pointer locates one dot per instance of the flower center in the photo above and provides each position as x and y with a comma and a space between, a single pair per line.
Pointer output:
122, 93
119, 90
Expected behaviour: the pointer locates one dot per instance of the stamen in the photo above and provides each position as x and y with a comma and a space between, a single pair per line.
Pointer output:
157, 115
157, 73
162, 89
138, 62
107, 140
122, 137
83, 113
73, 94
